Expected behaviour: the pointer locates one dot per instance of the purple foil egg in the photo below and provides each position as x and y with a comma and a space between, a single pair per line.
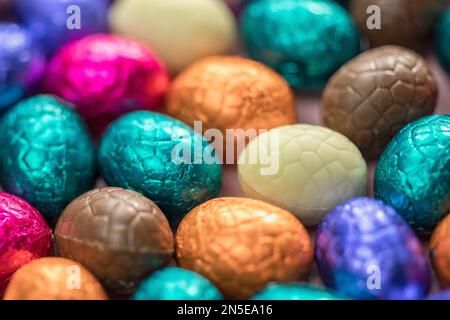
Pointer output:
365, 250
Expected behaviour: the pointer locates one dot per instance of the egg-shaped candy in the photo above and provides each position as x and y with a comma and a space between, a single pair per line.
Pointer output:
376, 94
305, 169
117, 234
306, 41
295, 291
22, 65
47, 154
54, 278
176, 284
242, 244
365, 250
179, 31
440, 251
413, 173
442, 39
24, 236
163, 159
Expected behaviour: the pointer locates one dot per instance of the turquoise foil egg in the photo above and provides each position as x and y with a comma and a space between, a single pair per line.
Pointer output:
47, 155
442, 40
163, 159
295, 291
413, 173
304, 40
176, 284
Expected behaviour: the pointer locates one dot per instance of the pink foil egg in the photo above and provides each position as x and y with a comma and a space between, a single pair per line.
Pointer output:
24, 236
105, 76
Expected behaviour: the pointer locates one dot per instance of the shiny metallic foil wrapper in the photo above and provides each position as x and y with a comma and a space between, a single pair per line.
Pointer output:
54, 279
243, 244
442, 39
440, 251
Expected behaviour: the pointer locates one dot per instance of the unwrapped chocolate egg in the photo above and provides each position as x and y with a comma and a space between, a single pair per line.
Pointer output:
176, 284
24, 236
400, 22
376, 94
163, 159
179, 31
305, 169
365, 250
413, 173
243, 244
234, 93
117, 234
54, 279
47, 154
442, 39
21, 64
295, 291
306, 41
440, 251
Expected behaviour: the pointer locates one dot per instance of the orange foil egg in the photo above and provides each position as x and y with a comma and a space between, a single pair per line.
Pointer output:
230, 92
242, 244
440, 251
54, 278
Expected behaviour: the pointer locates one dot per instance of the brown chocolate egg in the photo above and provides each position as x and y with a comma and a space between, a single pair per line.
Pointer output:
401, 22
440, 251
118, 234
376, 94
242, 244
54, 278
229, 92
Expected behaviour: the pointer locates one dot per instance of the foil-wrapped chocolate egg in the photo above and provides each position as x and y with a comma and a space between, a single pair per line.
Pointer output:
47, 154
442, 39
399, 22
54, 23
305, 169
243, 244
376, 94
413, 173
54, 278
179, 31
24, 236
365, 250
117, 234
295, 291
106, 76
231, 93
176, 284
440, 251
306, 41
21, 64
163, 159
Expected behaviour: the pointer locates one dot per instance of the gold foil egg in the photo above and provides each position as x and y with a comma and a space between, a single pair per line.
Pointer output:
54, 278
440, 251
242, 244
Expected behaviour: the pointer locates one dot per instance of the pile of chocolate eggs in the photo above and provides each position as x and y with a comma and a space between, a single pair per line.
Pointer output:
224, 149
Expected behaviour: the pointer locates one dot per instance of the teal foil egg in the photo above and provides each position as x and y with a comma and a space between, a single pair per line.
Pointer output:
442, 40
305, 40
163, 159
47, 155
413, 174
176, 284
295, 291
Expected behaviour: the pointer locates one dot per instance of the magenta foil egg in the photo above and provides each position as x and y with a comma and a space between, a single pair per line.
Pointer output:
105, 76
24, 236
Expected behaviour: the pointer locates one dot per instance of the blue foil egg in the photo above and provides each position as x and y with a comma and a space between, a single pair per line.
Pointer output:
295, 291
47, 155
365, 250
306, 41
56, 22
162, 158
413, 173
442, 40
176, 284
21, 64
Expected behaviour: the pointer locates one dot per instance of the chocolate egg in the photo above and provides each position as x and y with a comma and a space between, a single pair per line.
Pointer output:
54, 279
295, 291
117, 234
227, 92
243, 244
376, 94
401, 22
440, 251
180, 32
305, 169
